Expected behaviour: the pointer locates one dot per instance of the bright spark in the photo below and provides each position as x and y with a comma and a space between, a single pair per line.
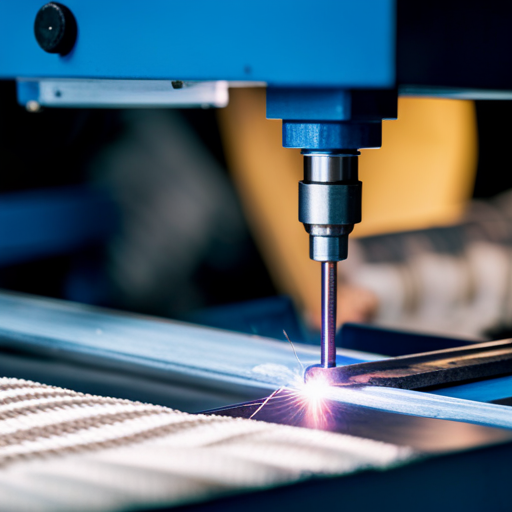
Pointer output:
311, 396
264, 403
301, 403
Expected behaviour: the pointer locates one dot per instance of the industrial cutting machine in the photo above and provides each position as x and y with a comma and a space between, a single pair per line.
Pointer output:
333, 71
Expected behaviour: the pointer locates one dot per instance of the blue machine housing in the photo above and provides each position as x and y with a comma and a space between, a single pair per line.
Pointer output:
285, 42
332, 46
329, 119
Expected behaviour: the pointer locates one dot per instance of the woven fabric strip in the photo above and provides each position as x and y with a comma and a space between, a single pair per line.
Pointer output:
62, 450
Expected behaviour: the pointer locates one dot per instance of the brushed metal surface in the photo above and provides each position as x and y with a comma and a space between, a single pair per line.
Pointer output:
427, 435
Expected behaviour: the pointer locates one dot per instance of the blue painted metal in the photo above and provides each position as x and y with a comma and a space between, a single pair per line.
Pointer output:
27, 91
323, 119
288, 42
325, 136
330, 104
482, 391
309, 104
42, 223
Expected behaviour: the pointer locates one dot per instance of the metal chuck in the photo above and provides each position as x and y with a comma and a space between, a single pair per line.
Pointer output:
329, 206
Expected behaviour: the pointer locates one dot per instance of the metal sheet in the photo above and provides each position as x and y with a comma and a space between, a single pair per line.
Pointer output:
483, 391
427, 435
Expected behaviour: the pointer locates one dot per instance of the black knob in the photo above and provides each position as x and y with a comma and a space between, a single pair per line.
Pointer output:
55, 28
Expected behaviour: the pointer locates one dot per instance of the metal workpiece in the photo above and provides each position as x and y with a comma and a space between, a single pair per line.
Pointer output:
330, 203
329, 307
428, 435
419, 371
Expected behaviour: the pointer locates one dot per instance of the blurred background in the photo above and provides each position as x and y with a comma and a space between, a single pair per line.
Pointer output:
192, 215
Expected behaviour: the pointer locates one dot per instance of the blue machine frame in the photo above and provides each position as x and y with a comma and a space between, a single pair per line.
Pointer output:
338, 43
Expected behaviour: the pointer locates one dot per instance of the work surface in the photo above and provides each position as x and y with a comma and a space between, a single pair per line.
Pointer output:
58, 445
187, 367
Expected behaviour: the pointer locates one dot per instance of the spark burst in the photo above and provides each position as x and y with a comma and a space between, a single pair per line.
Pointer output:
310, 398
303, 403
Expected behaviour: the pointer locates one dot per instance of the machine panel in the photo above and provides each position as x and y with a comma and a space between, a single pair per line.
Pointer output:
284, 43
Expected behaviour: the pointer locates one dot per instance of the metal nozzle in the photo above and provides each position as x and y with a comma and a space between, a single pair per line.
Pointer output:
329, 206
329, 203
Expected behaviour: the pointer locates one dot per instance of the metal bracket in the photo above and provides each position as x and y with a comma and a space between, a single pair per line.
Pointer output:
86, 93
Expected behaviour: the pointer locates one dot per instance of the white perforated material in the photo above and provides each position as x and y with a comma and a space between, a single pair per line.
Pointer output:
61, 450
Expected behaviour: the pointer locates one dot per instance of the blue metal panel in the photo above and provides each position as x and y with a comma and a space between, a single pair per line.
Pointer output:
330, 104
311, 104
331, 136
27, 91
331, 119
344, 43
481, 391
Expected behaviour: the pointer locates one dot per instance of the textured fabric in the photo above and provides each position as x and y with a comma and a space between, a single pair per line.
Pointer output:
62, 450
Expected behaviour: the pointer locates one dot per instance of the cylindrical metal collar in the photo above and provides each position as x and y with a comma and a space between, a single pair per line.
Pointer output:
330, 168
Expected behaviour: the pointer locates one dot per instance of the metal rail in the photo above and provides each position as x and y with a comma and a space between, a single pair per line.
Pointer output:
417, 371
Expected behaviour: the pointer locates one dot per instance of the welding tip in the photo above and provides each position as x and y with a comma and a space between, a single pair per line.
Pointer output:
329, 307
